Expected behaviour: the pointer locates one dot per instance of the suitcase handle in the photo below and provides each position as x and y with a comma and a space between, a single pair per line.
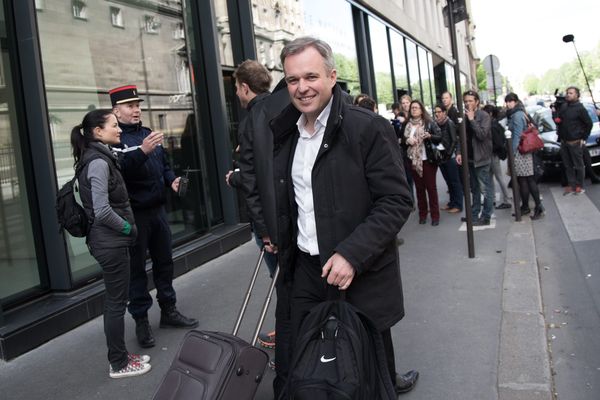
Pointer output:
249, 294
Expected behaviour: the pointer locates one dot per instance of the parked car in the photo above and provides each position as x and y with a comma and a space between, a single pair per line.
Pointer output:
550, 155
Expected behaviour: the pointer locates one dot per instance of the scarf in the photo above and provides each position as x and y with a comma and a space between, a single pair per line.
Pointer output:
416, 150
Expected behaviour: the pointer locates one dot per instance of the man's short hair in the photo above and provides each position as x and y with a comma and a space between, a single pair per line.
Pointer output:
300, 44
368, 103
255, 75
395, 105
449, 94
576, 89
471, 93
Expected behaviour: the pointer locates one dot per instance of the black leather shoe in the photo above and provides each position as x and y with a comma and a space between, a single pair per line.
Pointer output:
407, 382
144, 333
481, 222
171, 318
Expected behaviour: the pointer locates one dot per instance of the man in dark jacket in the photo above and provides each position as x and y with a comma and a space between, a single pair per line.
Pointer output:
479, 150
451, 110
147, 174
574, 127
341, 197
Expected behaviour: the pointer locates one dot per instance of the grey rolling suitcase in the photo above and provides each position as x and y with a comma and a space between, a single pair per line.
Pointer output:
217, 365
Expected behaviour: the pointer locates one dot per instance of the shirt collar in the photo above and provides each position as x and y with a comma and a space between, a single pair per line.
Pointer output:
320, 123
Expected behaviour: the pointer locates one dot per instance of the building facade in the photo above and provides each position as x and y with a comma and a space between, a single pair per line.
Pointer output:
60, 58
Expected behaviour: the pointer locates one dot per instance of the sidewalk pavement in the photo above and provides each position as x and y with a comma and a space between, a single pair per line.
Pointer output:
473, 328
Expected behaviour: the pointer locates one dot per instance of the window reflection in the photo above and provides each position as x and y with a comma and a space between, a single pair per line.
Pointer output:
18, 262
381, 63
413, 70
83, 59
274, 26
425, 80
222, 22
399, 60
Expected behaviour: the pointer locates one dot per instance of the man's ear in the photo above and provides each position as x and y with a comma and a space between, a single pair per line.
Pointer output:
245, 88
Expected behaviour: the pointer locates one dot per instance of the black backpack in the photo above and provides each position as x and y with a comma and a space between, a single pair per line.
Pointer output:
338, 354
498, 141
71, 215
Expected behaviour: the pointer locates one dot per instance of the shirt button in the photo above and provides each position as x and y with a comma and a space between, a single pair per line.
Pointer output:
325, 146
282, 181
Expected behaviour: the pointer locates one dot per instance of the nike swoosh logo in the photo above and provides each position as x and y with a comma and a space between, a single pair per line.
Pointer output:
326, 360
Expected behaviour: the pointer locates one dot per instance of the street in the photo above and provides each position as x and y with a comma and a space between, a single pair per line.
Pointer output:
473, 327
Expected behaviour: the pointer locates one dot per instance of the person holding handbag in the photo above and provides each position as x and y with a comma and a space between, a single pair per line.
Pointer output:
422, 137
448, 166
523, 164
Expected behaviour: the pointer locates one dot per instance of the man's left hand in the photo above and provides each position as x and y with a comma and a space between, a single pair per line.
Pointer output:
339, 271
175, 184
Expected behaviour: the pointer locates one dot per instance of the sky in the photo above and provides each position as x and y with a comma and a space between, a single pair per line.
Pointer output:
526, 35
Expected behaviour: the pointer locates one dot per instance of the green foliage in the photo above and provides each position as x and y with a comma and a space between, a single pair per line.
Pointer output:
481, 78
531, 84
347, 70
570, 74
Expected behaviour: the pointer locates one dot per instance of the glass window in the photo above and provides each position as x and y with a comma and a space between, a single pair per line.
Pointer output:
19, 269
413, 70
79, 69
425, 81
432, 79
399, 60
39, 4
79, 9
338, 32
222, 21
381, 64
450, 83
116, 17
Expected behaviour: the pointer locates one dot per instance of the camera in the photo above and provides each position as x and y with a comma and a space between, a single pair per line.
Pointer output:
558, 102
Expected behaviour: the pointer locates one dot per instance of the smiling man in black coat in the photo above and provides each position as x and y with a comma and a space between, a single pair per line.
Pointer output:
341, 197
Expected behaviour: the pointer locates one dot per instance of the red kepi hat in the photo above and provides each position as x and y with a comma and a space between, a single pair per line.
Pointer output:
124, 94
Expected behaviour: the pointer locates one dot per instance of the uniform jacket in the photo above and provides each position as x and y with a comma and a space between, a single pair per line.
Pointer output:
575, 122
256, 160
146, 176
361, 200
103, 232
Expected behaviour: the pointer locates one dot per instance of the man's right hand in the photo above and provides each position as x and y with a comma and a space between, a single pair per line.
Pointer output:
459, 159
269, 247
151, 141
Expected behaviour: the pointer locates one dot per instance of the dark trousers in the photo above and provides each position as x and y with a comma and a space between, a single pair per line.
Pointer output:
309, 289
572, 158
451, 175
154, 234
115, 271
480, 185
283, 327
408, 173
426, 188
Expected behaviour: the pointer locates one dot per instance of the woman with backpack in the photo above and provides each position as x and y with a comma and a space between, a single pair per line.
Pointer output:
422, 136
517, 123
112, 231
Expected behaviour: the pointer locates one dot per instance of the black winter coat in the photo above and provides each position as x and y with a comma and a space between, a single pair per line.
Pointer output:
361, 200
575, 122
256, 160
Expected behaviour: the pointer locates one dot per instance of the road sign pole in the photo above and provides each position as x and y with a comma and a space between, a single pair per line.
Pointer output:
462, 133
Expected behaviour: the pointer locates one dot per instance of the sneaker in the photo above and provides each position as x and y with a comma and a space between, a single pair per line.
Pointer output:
139, 358
579, 190
503, 206
131, 369
267, 340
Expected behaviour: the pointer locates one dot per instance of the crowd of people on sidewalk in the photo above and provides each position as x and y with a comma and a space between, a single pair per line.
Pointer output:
328, 185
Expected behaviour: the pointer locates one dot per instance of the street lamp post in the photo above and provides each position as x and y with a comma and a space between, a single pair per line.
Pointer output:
571, 38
